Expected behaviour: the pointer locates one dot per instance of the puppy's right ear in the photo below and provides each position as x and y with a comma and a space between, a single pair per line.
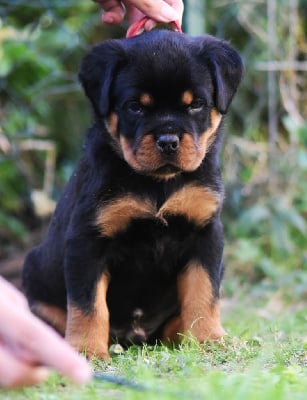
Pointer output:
96, 73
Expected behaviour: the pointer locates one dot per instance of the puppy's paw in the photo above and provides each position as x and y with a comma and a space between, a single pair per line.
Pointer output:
90, 348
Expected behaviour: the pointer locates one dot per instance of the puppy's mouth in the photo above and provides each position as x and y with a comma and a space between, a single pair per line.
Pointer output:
167, 169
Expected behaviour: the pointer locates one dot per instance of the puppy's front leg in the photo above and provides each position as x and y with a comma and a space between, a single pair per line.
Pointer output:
200, 311
87, 311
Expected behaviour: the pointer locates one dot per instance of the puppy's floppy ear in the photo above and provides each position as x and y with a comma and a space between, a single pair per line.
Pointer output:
97, 71
226, 68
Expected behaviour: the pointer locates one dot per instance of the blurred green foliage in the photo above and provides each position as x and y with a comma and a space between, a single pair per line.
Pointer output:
41, 45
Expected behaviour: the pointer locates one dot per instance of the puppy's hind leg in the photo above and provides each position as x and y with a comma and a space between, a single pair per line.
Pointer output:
38, 293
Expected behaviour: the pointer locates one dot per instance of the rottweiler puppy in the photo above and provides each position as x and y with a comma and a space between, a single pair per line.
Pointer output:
134, 250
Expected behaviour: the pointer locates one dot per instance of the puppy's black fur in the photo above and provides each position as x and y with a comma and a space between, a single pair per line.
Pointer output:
134, 249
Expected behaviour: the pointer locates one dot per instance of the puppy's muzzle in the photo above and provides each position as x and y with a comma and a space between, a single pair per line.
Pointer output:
167, 137
168, 144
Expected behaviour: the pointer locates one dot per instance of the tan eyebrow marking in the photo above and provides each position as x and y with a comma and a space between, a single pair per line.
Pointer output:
187, 97
146, 99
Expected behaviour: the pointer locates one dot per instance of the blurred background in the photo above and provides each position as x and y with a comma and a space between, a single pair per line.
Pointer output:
44, 115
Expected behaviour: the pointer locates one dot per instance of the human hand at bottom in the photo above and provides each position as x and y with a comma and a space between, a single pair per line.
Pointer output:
29, 348
164, 11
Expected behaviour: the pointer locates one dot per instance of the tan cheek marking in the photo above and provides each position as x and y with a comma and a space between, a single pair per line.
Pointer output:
112, 125
54, 316
187, 98
191, 156
146, 99
91, 332
187, 152
146, 157
147, 153
116, 216
209, 134
197, 204
200, 311
128, 153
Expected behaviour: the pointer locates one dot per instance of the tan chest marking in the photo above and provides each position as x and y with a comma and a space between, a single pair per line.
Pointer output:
197, 204
116, 216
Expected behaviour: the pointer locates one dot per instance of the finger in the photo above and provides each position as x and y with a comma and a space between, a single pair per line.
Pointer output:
44, 344
158, 10
51, 350
114, 11
13, 373
178, 6
133, 14
19, 352
9, 291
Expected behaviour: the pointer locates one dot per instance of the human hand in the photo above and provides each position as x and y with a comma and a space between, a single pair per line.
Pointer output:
29, 348
157, 11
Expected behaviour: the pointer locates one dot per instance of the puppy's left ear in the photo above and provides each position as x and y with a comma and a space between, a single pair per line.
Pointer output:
97, 71
226, 69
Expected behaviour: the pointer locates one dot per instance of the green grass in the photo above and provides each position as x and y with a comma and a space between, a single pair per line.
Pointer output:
263, 358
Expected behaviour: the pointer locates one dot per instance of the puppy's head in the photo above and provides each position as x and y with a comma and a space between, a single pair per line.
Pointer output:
162, 96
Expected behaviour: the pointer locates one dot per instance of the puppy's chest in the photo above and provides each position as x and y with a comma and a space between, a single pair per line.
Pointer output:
193, 203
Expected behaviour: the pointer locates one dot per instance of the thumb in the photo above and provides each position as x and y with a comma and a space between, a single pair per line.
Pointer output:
157, 10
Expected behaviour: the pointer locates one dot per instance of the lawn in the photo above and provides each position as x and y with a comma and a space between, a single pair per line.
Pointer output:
262, 358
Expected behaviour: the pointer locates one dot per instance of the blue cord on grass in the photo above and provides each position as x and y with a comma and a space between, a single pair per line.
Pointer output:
119, 381
113, 379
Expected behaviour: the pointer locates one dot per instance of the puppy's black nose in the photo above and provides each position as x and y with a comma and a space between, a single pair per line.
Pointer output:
168, 143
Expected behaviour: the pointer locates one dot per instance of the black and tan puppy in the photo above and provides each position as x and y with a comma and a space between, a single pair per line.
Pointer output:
134, 250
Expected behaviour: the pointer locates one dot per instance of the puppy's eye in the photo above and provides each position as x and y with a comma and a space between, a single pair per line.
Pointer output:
135, 107
196, 105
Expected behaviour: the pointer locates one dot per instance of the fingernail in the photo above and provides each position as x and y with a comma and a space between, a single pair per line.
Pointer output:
169, 13
107, 18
